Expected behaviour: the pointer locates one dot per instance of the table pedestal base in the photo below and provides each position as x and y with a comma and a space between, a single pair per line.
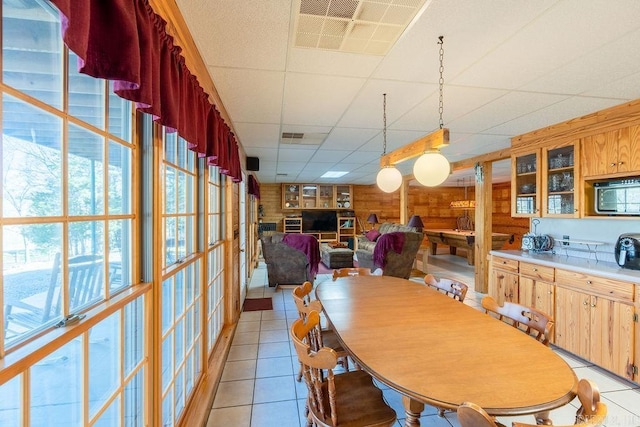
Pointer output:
412, 409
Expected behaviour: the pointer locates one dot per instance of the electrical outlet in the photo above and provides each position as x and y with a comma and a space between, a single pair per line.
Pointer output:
565, 237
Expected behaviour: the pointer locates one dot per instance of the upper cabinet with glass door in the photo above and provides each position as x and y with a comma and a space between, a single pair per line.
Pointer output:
291, 196
560, 174
343, 197
525, 187
316, 196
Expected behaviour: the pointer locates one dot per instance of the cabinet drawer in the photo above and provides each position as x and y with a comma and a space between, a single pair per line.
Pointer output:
505, 263
613, 289
537, 271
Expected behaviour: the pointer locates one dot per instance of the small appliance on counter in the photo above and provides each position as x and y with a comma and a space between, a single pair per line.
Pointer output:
628, 251
537, 243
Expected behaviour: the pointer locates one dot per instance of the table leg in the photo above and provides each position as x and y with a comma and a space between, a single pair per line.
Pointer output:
542, 418
412, 409
434, 248
470, 256
453, 250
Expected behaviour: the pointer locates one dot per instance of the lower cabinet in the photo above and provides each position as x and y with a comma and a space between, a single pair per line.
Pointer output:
503, 284
538, 294
596, 328
595, 317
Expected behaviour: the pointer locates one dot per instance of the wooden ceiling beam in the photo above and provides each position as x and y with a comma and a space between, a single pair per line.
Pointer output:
437, 139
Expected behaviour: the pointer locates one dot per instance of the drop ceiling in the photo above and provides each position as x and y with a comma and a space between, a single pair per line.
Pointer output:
510, 67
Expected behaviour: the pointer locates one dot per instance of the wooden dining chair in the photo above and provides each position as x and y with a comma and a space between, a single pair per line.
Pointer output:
347, 399
528, 319
472, 415
454, 288
592, 411
355, 271
327, 336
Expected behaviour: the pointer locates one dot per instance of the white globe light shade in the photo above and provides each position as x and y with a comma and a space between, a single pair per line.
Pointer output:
431, 169
389, 179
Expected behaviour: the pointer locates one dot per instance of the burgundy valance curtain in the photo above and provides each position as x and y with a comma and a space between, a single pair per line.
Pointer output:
254, 187
125, 41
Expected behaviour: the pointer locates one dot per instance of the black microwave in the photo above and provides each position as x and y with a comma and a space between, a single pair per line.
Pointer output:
617, 197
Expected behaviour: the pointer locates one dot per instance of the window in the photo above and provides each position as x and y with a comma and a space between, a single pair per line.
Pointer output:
67, 225
181, 296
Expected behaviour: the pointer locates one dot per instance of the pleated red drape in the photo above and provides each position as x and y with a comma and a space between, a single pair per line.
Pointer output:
126, 42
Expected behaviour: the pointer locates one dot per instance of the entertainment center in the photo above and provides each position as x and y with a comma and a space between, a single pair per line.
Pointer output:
325, 225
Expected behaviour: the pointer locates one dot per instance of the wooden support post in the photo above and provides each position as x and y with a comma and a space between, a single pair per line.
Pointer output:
484, 232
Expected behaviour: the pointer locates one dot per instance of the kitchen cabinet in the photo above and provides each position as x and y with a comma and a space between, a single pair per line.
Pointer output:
612, 153
536, 288
504, 280
525, 184
559, 195
316, 196
595, 320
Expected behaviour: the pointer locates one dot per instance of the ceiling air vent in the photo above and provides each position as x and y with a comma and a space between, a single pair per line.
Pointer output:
357, 26
298, 138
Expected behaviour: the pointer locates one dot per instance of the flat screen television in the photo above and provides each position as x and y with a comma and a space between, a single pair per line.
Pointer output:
319, 220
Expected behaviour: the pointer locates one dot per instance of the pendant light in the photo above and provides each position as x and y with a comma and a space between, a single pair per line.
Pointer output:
432, 168
389, 179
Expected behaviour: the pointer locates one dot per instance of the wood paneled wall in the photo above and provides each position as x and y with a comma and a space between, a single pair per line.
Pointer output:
432, 204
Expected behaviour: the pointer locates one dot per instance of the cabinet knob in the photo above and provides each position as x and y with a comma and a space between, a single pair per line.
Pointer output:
585, 302
535, 269
588, 282
620, 163
504, 262
550, 292
612, 164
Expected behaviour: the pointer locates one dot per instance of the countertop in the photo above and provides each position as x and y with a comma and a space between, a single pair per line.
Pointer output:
609, 270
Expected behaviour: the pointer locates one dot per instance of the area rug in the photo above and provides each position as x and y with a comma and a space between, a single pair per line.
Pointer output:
255, 304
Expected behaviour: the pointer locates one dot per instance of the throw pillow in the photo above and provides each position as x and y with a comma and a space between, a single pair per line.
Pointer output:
372, 235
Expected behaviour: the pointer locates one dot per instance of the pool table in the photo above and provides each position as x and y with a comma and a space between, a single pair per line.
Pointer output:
462, 239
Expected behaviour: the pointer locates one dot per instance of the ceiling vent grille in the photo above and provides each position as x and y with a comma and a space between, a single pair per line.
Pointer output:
298, 138
356, 26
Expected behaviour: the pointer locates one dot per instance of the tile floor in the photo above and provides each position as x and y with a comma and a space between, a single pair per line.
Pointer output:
258, 387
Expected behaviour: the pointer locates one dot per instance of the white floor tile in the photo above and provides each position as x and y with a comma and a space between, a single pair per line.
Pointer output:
237, 416
276, 414
234, 393
274, 389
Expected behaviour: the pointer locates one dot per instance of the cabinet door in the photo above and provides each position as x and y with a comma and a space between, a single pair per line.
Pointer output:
612, 329
290, 196
573, 321
505, 286
629, 151
560, 171
525, 185
537, 294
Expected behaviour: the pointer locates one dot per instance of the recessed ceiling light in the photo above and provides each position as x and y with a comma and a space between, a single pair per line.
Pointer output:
334, 174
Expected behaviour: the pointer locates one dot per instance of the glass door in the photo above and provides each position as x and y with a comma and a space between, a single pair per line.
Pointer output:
525, 185
560, 179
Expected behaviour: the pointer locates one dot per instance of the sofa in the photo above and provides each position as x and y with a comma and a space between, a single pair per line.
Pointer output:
291, 258
395, 264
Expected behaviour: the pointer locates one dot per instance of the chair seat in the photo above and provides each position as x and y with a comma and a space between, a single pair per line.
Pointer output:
329, 339
359, 402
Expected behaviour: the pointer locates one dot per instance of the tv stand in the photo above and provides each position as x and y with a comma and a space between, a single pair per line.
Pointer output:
323, 236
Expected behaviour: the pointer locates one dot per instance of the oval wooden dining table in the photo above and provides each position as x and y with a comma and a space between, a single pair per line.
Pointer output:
437, 351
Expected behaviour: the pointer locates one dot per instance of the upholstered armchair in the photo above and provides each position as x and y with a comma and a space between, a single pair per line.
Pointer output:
290, 260
394, 263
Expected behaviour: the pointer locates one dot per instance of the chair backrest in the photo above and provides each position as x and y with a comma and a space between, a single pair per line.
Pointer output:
354, 271
528, 319
592, 411
85, 274
471, 415
453, 288
321, 396
304, 304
